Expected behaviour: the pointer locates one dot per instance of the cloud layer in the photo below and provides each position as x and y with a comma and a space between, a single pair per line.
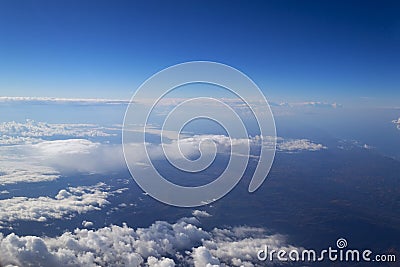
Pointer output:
162, 244
57, 100
26, 157
171, 101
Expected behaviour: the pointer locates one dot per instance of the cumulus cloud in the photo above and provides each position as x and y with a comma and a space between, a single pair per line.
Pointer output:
298, 145
163, 262
183, 243
238, 246
64, 205
109, 246
397, 123
202, 258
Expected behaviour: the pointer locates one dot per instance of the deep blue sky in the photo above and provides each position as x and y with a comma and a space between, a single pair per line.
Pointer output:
294, 50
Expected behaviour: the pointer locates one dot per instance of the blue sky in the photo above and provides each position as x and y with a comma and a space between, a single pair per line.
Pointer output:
340, 51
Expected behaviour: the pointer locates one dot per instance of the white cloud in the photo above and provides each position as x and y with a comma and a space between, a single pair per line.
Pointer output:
79, 155
87, 224
26, 157
109, 246
345, 144
162, 244
202, 258
58, 100
64, 205
200, 213
298, 145
397, 123
12, 172
210, 144
17, 166
68, 147
366, 146
190, 145
314, 104
163, 262
105, 247
32, 131
36, 160
16, 140
238, 246
45, 160
171, 101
